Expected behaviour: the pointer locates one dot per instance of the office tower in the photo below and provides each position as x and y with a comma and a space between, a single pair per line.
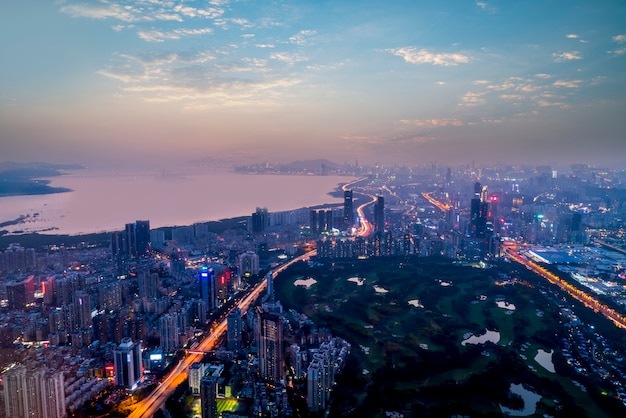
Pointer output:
168, 330
22, 293
234, 329
379, 214
147, 283
130, 240
248, 264
194, 378
207, 288
269, 278
259, 221
269, 339
127, 363
348, 210
313, 222
82, 306
33, 392
208, 397
479, 210
142, 238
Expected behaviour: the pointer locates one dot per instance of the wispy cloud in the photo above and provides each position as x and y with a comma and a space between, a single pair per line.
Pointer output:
303, 37
472, 99
433, 123
566, 56
288, 58
619, 39
482, 5
423, 56
571, 84
572, 36
159, 36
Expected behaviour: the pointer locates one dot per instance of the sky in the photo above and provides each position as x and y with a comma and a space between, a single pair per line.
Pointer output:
393, 82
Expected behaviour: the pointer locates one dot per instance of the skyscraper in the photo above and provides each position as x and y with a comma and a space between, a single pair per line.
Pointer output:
33, 392
206, 281
127, 363
142, 237
234, 329
168, 330
348, 210
208, 397
259, 221
379, 214
269, 339
248, 264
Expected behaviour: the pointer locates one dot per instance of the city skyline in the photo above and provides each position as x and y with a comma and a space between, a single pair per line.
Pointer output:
407, 83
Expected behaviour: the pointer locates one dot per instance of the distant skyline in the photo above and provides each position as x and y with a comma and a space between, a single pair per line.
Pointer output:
395, 82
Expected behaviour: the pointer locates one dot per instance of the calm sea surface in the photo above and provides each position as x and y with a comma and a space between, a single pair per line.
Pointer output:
106, 200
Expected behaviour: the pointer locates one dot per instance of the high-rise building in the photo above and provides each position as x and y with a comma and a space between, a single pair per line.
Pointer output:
269, 339
248, 264
194, 378
379, 214
21, 293
208, 397
147, 283
206, 281
259, 221
316, 390
348, 210
168, 330
130, 239
142, 237
127, 363
234, 329
33, 392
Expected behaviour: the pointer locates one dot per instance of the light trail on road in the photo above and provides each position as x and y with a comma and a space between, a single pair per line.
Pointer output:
153, 402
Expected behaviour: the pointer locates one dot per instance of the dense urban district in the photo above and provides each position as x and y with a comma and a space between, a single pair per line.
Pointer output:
429, 291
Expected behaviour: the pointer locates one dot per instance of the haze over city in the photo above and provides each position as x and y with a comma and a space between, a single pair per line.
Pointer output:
237, 81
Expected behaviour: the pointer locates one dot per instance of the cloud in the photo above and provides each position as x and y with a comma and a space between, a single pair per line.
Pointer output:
265, 45
572, 84
303, 37
571, 36
441, 83
424, 56
433, 123
482, 5
287, 58
159, 36
111, 11
480, 82
618, 51
543, 75
620, 39
472, 99
566, 56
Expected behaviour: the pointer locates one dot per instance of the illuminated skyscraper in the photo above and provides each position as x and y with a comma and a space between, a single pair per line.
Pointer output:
379, 214
269, 339
348, 209
234, 329
127, 363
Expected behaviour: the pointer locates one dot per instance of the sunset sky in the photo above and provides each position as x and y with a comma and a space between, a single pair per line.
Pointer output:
406, 82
